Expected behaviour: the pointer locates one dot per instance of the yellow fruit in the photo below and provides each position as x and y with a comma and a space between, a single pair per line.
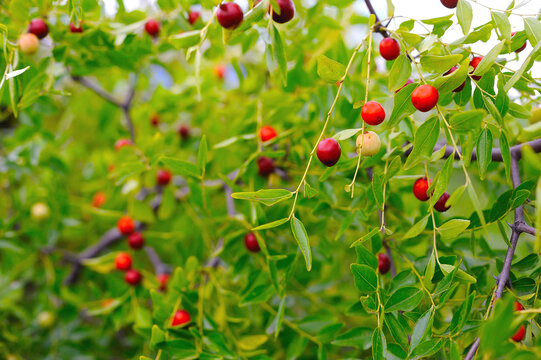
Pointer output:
370, 143
29, 43
40, 211
536, 115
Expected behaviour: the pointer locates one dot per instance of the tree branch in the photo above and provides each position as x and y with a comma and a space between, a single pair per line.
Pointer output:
377, 25
97, 89
159, 266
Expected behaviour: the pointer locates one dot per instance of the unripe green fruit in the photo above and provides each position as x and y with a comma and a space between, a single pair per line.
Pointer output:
46, 319
536, 116
40, 211
28, 43
370, 143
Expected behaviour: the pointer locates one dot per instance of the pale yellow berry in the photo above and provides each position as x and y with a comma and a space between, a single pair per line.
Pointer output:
28, 43
370, 143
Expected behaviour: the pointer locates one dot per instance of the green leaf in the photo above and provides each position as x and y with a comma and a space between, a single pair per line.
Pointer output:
442, 180
533, 30
424, 141
449, 82
279, 317
251, 342
365, 278
379, 345
400, 73
345, 134
366, 257
271, 225
158, 336
404, 299
464, 15
429, 270
202, 153
506, 154
489, 59
366, 236
416, 229
181, 167
429, 347
461, 316
299, 233
484, 151
467, 121
439, 64
422, 328
268, 197
502, 23
526, 65
453, 228
358, 337
279, 54
185, 40
329, 70
402, 105
497, 329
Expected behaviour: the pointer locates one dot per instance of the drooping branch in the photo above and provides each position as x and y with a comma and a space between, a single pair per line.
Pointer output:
516, 151
159, 266
97, 89
517, 229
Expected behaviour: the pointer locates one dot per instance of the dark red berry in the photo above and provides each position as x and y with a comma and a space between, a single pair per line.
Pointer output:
76, 29
473, 63
229, 15
440, 204
152, 27
250, 241
123, 261
193, 16
420, 188
520, 48
126, 225
133, 277
163, 178
425, 97
163, 279
136, 241
184, 132
155, 120
450, 4
389, 48
287, 11
328, 151
265, 166
181, 317
267, 133
452, 70
384, 264
372, 113
39, 28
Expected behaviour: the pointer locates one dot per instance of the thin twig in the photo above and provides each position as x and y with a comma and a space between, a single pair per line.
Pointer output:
97, 89
377, 26
159, 266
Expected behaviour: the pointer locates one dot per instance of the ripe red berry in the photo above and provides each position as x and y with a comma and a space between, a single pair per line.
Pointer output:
328, 151
184, 132
519, 335
219, 71
287, 11
420, 188
406, 84
181, 317
251, 243
267, 133
440, 204
120, 143
518, 306
520, 48
450, 4
39, 28
389, 48
163, 279
425, 97
76, 29
136, 241
452, 70
193, 16
265, 166
384, 264
155, 120
123, 261
133, 277
99, 199
229, 15
152, 27
372, 113
473, 63
126, 225
163, 178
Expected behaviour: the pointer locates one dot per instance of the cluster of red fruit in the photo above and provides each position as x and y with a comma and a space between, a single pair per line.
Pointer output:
153, 26
183, 130
420, 190
265, 165
230, 15
37, 30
